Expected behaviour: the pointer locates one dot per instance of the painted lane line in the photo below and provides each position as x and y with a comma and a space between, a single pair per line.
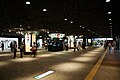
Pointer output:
44, 74
92, 73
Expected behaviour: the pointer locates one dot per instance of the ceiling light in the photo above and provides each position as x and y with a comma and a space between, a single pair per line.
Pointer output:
80, 26
71, 21
107, 0
65, 19
20, 25
44, 9
88, 30
27, 2
83, 27
109, 12
28, 26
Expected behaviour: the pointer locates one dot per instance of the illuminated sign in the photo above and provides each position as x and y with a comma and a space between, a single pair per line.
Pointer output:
33, 38
27, 42
7, 41
102, 38
109, 38
56, 35
89, 41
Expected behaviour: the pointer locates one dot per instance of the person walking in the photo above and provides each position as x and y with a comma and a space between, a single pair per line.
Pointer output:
15, 49
21, 49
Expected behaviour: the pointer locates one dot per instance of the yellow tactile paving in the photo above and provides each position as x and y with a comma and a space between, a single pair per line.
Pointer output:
92, 73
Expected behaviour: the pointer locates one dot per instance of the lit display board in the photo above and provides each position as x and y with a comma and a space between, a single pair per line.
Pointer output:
27, 42
56, 35
70, 41
7, 41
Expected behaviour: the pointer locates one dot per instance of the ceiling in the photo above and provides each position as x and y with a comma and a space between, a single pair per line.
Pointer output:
116, 18
89, 17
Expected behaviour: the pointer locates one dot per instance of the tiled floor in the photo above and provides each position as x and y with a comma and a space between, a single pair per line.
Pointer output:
110, 67
67, 65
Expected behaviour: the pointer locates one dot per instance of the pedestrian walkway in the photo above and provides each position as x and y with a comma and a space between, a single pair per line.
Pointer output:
66, 65
110, 67
5, 51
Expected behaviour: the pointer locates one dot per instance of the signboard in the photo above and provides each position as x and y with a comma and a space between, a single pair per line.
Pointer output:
27, 42
56, 35
7, 41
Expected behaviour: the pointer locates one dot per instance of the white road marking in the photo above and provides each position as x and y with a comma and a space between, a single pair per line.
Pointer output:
44, 74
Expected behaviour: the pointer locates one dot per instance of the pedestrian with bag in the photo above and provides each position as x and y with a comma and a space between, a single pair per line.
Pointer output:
34, 49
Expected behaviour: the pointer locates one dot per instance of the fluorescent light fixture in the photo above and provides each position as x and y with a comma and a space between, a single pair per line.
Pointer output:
110, 26
44, 74
110, 23
28, 26
110, 19
83, 27
109, 12
27, 2
71, 21
107, 0
65, 19
109, 38
88, 30
44, 9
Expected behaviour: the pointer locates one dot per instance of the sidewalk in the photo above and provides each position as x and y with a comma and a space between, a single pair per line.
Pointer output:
110, 67
67, 65
4, 51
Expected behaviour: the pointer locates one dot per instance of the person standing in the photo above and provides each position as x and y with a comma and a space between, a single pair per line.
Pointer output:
34, 48
11, 46
109, 45
21, 49
66, 46
83, 45
2, 46
15, 49
79, 46
74, 45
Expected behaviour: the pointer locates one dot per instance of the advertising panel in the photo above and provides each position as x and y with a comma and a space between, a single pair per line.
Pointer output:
39, 43
70, 41
7, 41
27, 42
56, 35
